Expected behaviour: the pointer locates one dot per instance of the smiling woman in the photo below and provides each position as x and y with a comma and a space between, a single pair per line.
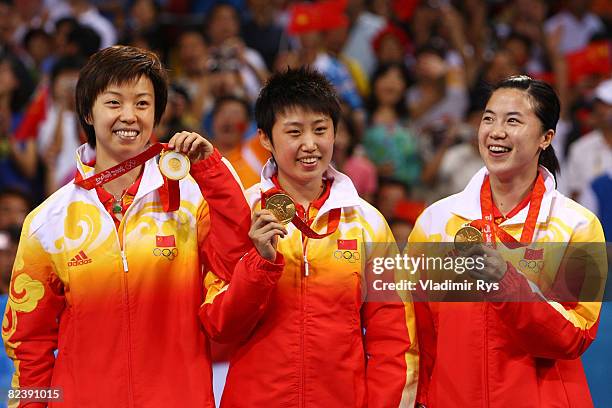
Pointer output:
112, 276
521, 345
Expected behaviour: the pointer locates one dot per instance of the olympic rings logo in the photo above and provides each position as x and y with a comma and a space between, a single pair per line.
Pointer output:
349, 256
168, 253
523, 263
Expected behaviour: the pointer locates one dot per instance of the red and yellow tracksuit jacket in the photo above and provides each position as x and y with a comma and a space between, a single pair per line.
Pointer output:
121, 305
308, 338
510, 353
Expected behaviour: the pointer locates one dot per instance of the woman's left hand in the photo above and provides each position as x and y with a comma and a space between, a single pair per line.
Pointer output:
195, 146
495, 266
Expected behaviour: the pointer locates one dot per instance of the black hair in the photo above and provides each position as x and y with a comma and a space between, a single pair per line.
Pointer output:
18, 192
118, 65
70, 63
33, 33
220, 101
302, 87
71, 21
86, 39
546, 106
515, 35
400, 107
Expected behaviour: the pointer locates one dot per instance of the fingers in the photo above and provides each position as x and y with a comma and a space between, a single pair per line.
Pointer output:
264, 221
494, 264
265, 232
192, 144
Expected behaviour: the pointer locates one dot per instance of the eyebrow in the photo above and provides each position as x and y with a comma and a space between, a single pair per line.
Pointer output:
298, 123
507, 113
120, 94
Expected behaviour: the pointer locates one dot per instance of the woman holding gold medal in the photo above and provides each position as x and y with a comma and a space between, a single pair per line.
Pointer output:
109, 270
302, 342
520, 346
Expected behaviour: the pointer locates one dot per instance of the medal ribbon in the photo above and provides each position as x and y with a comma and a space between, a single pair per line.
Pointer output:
332, 222
169, 193
490, 229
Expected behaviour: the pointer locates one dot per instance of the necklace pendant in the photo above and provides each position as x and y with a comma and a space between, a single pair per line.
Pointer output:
117, 208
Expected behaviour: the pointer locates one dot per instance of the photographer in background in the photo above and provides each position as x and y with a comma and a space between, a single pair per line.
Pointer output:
228, 49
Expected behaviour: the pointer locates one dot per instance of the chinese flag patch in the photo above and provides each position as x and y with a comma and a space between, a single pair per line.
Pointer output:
165, 241
350, 244
534, 254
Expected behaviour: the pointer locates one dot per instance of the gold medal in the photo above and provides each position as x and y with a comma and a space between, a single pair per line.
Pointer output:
174, 165
467, 236
282, 206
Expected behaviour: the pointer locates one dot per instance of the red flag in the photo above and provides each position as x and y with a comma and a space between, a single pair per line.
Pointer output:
349, 244
165, 241
595, 58
534, 254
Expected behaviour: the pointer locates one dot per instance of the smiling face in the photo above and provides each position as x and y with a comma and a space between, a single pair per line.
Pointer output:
302, 145
510, 137
122, 118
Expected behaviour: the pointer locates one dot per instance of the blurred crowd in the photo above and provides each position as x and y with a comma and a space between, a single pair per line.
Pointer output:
412, 76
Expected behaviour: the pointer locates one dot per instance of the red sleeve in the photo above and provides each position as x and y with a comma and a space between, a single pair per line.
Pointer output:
229, 215
31, 320
564, 331
391, 362
231, 311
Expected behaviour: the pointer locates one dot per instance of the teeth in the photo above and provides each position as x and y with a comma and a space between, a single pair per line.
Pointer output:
126, 133
309, 160
499, 149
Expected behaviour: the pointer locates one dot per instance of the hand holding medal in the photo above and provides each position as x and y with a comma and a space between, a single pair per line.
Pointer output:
264, 232
183, 148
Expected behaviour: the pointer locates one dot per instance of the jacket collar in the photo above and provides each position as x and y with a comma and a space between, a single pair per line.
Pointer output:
468, 200
342, 194
152, 179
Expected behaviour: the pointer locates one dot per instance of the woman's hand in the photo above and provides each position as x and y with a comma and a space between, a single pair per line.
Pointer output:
195, 146
495, 266
264, 232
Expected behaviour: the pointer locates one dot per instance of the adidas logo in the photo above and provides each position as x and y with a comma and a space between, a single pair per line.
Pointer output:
80, 259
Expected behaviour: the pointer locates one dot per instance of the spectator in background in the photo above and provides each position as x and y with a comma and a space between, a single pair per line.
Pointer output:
231, 119
11, 51
391, 45
56, 137
334, 40
456, 160
439, 95
262, 33
15, 204
38, 46
365, 22
12, 175
388, 141
144, 28
350, 158
390, 194
591, 155
576, 24
309, 22
86, 14
178, 115
222, 27
191, 71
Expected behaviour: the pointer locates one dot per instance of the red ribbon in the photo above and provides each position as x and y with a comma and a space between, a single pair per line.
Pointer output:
490, 229
333, 219
169, 193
